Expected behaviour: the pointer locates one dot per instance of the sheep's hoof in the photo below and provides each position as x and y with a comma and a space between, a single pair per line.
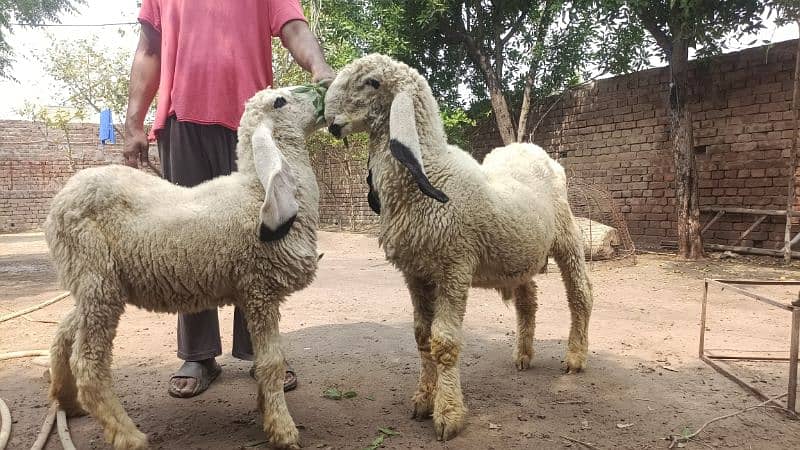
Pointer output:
286, 438
285, 444
423, 405
132, 440
522, 362
448, 425
575, 362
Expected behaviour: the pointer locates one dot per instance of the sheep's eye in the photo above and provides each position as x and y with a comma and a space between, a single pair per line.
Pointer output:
280, 101
373, 82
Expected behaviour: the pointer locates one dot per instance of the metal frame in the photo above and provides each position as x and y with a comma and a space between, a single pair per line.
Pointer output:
761, 215
718, 361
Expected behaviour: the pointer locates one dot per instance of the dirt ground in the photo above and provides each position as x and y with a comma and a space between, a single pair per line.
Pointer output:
352, 330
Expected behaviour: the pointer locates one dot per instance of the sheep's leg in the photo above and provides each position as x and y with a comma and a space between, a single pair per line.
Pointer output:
263, 317
98, 318
449, 411
63, 388
525, 302
422, 297
568, 253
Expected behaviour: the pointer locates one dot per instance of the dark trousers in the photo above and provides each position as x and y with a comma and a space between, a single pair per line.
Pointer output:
191, 154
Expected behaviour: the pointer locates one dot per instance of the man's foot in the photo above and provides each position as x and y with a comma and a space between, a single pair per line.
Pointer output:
289, 380
193, 378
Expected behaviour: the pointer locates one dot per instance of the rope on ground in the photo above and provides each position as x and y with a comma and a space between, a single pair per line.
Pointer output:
63, 430
686, 438
34, 308
5, 424
23, 354
47, 427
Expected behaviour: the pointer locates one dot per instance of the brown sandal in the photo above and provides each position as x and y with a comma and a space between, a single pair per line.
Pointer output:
204, 373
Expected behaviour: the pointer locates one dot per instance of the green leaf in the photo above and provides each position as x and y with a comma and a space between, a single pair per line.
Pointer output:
332, 393
376, 443
350, 394
388, 431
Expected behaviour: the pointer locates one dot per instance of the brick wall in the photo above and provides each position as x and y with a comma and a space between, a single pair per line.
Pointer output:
35, 163
343, 190
614, 134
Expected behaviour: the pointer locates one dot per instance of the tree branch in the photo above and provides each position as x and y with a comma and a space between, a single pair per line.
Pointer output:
541, 33
662, 38
458, 34
514, 27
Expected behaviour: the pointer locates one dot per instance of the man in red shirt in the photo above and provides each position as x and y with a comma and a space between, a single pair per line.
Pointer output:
206, 58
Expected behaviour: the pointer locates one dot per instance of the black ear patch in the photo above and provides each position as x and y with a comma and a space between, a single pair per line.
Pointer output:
373, 82
403, 154
372, 196
267, 235
280, 101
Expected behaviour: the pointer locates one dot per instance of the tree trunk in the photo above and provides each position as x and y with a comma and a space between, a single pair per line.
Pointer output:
502, 114
690, 243
791, 194
524, 112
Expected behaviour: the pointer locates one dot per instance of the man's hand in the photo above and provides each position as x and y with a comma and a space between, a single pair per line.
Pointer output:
136, 148
324, 75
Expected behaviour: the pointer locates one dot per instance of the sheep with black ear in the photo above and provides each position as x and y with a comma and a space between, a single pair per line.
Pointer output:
449, 223
119, 236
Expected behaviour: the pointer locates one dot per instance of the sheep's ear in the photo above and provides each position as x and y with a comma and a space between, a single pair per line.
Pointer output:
372, 196
280, 205
404, 144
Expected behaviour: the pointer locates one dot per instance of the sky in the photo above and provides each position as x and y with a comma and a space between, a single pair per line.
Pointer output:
34, 85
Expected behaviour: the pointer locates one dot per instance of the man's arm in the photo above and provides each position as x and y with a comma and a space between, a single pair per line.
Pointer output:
303, 45
145, 74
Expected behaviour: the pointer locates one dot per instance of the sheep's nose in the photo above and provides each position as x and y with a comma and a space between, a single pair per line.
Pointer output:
335, 129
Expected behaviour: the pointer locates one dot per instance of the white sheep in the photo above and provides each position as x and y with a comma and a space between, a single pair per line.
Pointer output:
118, 235
449, 223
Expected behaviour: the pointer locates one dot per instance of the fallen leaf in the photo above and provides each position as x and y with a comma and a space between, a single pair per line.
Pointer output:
388, 431
377, 442
332, 393
494, 426
624, 425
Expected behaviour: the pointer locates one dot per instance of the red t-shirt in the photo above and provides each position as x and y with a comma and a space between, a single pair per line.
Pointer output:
214, 55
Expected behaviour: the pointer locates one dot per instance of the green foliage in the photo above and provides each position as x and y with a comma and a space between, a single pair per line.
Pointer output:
787, 11
554, 40
333, 393
89, 76
384, 433
708, 26
54, 118
457, 124
318, 92
346, 29
27, 12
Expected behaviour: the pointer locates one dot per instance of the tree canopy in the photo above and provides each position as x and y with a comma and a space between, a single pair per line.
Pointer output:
26, 12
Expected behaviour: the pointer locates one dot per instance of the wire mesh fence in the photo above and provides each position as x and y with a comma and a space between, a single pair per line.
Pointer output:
594, 203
